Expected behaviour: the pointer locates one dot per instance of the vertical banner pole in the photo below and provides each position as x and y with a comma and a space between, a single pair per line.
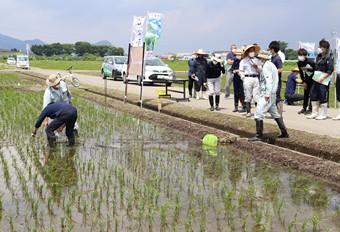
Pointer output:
105, 86
127, 74
142, 78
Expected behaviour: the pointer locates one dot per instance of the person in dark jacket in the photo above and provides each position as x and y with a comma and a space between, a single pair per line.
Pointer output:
274, 48
62, 114
199, 73
237, 82
337, 92
290, 95
306, 68
319, 93
191, 63
215, 69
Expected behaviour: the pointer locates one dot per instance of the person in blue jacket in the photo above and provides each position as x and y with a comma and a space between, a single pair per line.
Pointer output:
62, 114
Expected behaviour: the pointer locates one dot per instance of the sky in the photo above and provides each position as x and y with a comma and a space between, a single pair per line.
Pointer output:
187, 24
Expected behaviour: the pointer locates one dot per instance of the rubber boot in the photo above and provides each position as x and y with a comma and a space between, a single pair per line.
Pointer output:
204, 95
283, 129
323, 113
259, 131
52, 141
337, 117
315, 113
197, 95
248, 107
217, 102
243, 105
71, 141
211, 101
235, 105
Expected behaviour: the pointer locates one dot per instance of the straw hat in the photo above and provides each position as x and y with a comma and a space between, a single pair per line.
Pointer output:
296, 69
264, 55
53, 80
239, 51
257, 49
200, 52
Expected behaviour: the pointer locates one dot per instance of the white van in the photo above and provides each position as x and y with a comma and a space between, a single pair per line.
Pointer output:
23, 61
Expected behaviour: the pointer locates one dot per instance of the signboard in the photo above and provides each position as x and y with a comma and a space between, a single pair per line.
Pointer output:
153, 30
310, 47
137, 36
135, 65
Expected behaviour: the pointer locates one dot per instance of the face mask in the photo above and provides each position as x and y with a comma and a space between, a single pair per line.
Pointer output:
214, 62
238, 57
320, 50
251, 54
301, 58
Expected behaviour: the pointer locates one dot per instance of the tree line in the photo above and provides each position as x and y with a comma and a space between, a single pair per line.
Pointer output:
79, 49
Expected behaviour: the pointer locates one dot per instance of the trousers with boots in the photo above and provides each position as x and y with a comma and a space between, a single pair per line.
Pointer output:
248, 106
283, 129
217, 100
211, 101
259, 131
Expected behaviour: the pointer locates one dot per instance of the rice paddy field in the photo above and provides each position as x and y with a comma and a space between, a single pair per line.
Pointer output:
125, 174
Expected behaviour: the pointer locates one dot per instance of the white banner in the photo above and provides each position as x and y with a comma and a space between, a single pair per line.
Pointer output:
310, 47
137, 36
338, 55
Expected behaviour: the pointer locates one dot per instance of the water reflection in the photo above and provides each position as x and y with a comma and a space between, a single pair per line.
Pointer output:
59, 170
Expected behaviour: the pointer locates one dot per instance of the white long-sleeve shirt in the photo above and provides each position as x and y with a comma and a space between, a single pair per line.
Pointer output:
246, 66
269, 79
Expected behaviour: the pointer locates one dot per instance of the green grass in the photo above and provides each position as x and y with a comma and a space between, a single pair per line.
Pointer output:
62, 64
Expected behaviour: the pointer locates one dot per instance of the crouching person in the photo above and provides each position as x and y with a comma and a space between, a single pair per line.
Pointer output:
62, 114
267, 102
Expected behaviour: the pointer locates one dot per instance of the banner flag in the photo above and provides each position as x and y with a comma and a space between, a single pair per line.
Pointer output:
137, 36
153, 30
310, 47
338, 55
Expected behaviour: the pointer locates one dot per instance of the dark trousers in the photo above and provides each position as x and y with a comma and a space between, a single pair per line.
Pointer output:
199, 85
278, 91
338, 87
294, 98
67, 117
191, 84
238, 90
319, 92
306, 96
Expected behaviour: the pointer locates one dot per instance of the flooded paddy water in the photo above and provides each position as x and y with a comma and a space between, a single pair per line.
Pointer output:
129, 175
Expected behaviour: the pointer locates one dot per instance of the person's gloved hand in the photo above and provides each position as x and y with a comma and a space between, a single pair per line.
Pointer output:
205, 84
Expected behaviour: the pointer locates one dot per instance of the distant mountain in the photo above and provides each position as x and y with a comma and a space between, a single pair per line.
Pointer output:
104, 43
8, 42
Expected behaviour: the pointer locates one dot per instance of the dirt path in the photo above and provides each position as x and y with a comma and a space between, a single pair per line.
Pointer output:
292, 119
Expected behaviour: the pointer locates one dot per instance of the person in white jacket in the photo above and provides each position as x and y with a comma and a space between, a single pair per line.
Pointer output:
267, 99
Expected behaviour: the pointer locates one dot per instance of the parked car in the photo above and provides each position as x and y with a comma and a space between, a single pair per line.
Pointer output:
23, 61
112, 66
155, 70
11, 61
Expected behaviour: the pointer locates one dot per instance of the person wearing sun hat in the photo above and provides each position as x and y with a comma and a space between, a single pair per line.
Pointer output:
269, 80
199, 71
56, 91
290, 95
214, 71
249, 72
237, 81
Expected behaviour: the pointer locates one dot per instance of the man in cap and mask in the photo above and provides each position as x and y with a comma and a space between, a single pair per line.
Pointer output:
269, 80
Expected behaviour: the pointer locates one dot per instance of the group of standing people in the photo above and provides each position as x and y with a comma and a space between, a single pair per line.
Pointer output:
256, 77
